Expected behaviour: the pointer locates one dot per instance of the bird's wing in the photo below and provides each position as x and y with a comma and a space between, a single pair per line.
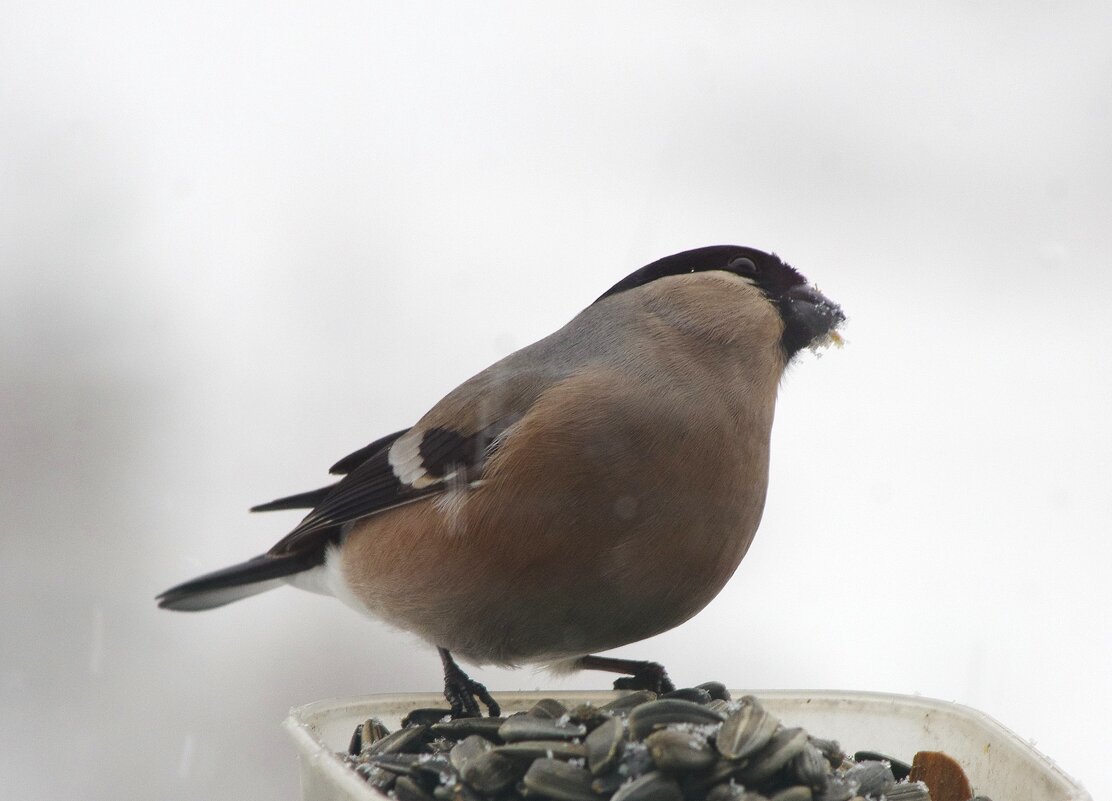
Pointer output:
314, 498
447, 448
418, 463
353, 460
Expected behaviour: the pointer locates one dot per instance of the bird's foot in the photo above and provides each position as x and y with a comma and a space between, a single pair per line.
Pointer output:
464, 694
646, 676
641, 675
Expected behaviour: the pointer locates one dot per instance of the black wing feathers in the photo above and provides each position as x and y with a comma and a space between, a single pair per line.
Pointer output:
302, 500
373, 486
314, 498
444, 451
353, 460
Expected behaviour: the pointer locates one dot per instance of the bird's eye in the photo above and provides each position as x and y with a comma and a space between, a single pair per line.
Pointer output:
742, 266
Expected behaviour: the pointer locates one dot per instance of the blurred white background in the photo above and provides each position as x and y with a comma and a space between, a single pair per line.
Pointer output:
240, 239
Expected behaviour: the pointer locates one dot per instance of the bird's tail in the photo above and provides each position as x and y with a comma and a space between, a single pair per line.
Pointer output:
238, 581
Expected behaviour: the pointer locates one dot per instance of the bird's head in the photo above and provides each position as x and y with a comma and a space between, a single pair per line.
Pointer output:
810, 318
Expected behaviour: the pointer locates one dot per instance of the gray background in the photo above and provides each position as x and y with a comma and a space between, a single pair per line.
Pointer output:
241, 239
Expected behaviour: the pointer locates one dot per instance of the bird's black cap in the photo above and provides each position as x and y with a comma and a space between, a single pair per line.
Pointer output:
766, 270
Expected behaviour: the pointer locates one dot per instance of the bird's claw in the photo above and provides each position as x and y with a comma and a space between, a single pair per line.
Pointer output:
463, 693
648, 676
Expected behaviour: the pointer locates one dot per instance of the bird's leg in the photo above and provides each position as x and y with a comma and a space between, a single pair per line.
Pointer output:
464, 693
641, 675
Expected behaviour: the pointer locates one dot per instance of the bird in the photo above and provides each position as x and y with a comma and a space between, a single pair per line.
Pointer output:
590, 490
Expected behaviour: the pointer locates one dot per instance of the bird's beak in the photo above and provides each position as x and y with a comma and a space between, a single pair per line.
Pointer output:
812, 318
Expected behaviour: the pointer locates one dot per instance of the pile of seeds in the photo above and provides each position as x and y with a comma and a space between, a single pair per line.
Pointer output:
694, 744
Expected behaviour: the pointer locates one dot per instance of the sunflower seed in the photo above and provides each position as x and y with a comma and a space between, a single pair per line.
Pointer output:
653, 786
657, 714
426, 717
527, 727
837, 789
461, 727
369, 731
589, 715
809, 767
377, 777
732, 792
633, 762
717, 690
548, 708
831, 751
441, 745
490, 772
551, 778
872, 778
746, 730
909, 791
624, 703
536, 749
604, 744
724, 770
455, 791
469, 748
900, 770
435, 769
795, 793
783, 746
402, 741
678, 751
406, 789
400, 764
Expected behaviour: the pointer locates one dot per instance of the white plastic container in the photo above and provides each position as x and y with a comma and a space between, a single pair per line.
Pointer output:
998, 763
